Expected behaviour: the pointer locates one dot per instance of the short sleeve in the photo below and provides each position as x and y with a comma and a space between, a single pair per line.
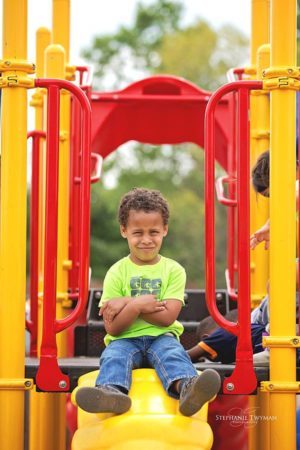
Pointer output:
112, 287
176, 284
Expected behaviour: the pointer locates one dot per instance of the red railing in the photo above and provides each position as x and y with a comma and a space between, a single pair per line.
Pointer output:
243, 379
49, 376
84, 79
230, 272
221, 191
235, 74
32, 322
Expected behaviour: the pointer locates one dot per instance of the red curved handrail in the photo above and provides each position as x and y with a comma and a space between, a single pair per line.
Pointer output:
49, 377
84, 76
32, 323
220, 191
237, 383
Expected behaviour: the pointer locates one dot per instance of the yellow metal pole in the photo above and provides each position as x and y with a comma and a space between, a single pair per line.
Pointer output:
61, 37
43, 39
13, 227
283, 227
40, 403
56, 69
260, 130
61, 25
263, 426
259, 135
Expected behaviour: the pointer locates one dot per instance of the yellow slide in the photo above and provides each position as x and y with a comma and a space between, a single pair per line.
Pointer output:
153, 422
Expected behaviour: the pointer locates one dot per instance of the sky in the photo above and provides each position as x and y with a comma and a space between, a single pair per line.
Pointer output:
92, 17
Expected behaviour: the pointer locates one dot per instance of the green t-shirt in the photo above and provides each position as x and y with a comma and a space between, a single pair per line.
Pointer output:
166, 279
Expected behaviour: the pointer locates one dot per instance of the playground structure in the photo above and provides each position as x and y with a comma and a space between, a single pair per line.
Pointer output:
74, 129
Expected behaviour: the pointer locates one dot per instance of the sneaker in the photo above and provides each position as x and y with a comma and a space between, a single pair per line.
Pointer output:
198, 390
262, 358
100, 399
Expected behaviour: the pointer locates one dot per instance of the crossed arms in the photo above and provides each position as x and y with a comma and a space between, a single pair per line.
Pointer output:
120, 313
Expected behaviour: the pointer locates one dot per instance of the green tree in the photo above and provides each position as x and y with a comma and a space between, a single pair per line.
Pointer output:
138, 43
201, 54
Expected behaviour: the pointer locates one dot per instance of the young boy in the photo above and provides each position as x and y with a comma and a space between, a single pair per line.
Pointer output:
142, 298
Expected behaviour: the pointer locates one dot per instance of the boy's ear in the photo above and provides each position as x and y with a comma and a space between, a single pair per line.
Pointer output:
166, 229
123, 231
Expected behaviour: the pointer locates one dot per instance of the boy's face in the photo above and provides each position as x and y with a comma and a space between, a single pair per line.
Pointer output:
144, 233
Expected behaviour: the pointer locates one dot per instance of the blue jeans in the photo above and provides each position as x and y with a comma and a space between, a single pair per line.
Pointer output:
164, 353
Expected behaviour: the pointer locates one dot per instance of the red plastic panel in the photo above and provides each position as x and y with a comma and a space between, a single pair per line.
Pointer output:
156, 110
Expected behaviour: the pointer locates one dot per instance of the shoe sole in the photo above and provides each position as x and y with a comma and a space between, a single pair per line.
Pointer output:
96, 400
205, 388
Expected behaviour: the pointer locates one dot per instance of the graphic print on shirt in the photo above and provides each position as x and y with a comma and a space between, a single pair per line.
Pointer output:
141, 286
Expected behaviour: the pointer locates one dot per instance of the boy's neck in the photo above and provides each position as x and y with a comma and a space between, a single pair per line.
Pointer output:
138, 262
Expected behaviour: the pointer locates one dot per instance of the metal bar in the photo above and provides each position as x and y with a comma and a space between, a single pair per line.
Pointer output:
236, 383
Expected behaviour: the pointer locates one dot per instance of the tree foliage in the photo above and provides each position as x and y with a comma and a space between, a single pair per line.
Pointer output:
120, 55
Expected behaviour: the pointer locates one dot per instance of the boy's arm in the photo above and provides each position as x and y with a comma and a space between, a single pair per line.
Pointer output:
130, 312
121, 321
165, 317
173, 297
113, 306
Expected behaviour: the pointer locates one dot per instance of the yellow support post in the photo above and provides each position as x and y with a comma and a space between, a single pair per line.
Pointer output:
283, 228
55, 57
61, 25
43, 39
42, 406
259, 142
13, 225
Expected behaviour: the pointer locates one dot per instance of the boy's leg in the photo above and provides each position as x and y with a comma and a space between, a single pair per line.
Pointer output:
179, 377
114, 379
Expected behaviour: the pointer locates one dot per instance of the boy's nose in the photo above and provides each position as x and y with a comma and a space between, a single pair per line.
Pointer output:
146, 239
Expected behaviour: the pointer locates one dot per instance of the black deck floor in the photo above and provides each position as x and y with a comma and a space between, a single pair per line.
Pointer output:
75, 367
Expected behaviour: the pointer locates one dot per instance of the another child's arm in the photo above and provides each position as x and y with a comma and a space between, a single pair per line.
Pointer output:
262, 234
196, 352
165, 317
132, 310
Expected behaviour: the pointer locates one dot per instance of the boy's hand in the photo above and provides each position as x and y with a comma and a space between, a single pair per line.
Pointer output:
148, 303
112, 308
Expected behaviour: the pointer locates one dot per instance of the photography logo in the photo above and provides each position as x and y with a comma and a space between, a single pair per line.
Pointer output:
244, 417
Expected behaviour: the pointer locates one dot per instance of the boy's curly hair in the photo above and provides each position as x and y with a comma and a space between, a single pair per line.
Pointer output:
141, 199
261, 172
